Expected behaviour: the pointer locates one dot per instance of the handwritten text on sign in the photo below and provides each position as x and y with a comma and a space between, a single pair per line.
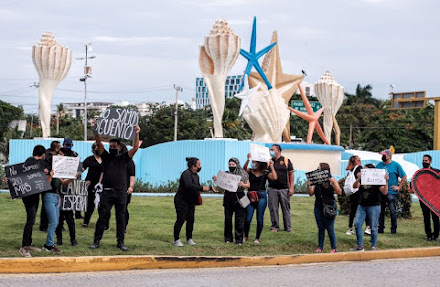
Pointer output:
259, 153
65, 166
26, 180
318, 176
118, 123
74, 196
373, 176
228, 181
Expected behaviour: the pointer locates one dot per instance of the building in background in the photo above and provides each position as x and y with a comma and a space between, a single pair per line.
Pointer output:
231, 88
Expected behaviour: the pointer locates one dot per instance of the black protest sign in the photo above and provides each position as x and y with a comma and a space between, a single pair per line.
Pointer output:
318, 176
117, 123
25, 180
74, 196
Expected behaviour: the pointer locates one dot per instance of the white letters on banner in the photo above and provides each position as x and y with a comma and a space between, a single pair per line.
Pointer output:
373, 176
65, 166
228, 181
259, 153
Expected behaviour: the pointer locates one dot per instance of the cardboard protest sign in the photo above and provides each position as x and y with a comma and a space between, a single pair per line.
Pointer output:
74, 196
259, 153
26, 180
373, 176
65, 166
117, 123
228, 181
318, 176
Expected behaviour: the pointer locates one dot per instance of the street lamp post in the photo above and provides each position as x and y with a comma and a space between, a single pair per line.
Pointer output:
87, 74
178, 89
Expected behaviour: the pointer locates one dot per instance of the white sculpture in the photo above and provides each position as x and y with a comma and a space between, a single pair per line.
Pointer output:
217, 57
52, 62
245, 96
331, 95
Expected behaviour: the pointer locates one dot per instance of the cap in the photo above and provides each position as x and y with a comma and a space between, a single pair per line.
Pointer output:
67, 141
386, 152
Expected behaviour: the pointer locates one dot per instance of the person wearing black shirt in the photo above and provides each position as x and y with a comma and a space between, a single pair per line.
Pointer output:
68, 143
115, 188
94, 176
280, 190
369, 205
185, 199
131, 172
324, 194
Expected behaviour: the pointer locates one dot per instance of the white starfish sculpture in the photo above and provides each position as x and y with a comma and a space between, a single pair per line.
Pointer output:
245, 96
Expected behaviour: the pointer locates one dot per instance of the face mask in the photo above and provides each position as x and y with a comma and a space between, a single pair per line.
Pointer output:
272, 153
96, 152
384, 158
425, 165
232, 168
113, 151
199, 169
253, 165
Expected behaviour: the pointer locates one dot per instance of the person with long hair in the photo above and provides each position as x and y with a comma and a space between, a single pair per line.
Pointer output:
258, 172
185, 200
324, 195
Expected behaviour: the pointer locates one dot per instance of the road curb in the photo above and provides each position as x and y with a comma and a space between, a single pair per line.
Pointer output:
118, 263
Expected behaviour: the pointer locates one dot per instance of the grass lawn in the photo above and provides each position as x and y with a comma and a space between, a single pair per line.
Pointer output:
151, 227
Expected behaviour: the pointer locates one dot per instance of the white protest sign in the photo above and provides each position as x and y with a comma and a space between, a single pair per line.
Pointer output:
65, 166
259, 153
228, 181
373, 176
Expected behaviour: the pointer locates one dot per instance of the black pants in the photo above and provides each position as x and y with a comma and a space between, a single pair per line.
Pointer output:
68, 216
185, 212
90, 205
231, 207
110, 197
354, 202
43, 217
427, 214
127, 214
31, 203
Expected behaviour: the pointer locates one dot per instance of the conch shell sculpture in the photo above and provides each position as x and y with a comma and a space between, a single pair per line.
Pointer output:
217, 57
52, 62
268, 115
331, 95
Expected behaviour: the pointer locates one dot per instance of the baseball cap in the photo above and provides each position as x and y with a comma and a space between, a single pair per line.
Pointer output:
386, 152
67, 141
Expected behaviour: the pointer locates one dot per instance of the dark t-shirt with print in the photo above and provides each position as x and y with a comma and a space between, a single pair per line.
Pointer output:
115, 170
281, 170
369, 195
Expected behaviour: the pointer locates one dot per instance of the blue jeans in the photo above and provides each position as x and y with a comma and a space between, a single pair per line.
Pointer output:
323, 224
373, 213
261, 207
391, 199
52, 209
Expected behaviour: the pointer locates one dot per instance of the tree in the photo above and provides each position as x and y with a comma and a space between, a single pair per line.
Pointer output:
362, 95
8, 113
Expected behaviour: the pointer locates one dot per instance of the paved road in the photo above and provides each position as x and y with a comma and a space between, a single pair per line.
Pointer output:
403, 273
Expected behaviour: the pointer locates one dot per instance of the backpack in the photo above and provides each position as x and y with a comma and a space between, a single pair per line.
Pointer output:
349, 180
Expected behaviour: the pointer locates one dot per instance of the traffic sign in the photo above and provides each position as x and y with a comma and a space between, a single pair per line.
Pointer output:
299, 106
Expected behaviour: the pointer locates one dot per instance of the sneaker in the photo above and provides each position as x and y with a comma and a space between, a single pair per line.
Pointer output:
393, 231
256, 241
319, 250
190, 242
122, 246
274, 230
59, 242
367, 230
357, 248
290, 231
373, 248
85, 225
74, 242
350, 231
95, 245
51, 248
178, 243
239, 244
25, 252
333, 251
33, 248
435, 239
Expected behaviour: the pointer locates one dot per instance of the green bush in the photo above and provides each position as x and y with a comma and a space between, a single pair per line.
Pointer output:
403, 202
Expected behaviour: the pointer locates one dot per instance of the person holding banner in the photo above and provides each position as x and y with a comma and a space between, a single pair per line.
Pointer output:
369, 205
115, 188
185, 200
258, 172
324, 195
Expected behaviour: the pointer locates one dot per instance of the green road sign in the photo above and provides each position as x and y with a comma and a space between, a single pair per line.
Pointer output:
299, 106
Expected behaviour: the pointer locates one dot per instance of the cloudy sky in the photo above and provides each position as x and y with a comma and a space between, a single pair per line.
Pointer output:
144, 47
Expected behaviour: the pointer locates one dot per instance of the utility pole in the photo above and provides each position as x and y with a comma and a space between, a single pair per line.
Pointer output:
178, 89
87, 74
35, 85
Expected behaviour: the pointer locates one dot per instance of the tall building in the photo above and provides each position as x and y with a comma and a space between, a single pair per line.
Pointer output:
231, 88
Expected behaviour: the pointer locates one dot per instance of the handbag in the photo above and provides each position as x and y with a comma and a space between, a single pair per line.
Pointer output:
244, 201
253, 196
198, 200
330, 210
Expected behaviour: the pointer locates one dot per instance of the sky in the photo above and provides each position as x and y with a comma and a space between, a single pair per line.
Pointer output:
143, 48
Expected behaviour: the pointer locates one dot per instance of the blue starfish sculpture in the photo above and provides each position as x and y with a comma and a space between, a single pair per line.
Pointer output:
253, 57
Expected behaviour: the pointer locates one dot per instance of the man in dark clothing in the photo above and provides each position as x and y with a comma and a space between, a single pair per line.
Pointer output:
68, 143
131, 172
115, 188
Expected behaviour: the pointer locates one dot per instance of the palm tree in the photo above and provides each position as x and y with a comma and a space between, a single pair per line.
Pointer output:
60, 112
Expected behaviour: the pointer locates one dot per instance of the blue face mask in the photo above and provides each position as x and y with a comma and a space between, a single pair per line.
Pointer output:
272, 153
253, 165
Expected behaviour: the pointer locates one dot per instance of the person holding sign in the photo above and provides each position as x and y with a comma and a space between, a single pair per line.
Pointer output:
115, 188
324, 195
258, 172
369, 205
280, 190
231, 203
185, 200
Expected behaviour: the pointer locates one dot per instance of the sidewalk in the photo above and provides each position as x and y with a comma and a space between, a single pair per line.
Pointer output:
115, 263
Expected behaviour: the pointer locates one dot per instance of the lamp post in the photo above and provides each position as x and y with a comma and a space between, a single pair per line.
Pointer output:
87, 74
178, 89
